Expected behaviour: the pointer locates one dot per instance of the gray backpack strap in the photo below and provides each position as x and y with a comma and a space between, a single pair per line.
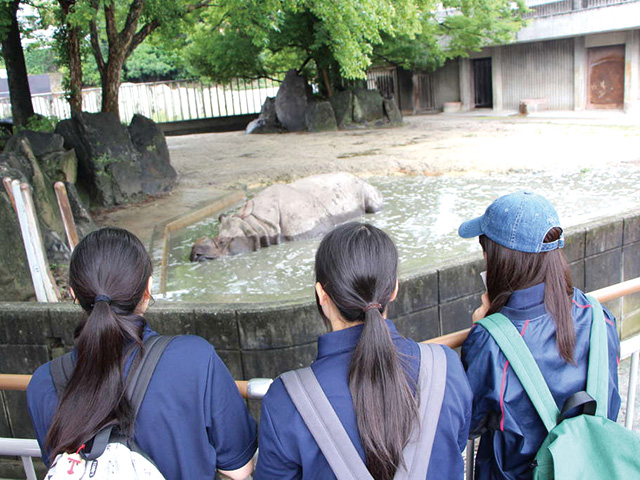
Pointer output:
62, 368
333, 440
432, 380
324, 424
154, 346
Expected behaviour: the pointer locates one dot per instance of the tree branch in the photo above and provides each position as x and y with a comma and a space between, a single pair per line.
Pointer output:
111, 26
141, 35
304, 64
131, 23
95, 46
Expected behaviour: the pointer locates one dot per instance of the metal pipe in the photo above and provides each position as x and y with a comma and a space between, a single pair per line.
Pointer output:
34, 266
41, 257
66, 214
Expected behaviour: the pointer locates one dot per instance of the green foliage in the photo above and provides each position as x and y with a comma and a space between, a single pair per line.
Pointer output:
253, 38
149, 63
40, 59
40, 123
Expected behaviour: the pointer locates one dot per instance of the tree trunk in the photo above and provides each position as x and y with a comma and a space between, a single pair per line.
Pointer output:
111, 84
75, 70
72, 47
21, 106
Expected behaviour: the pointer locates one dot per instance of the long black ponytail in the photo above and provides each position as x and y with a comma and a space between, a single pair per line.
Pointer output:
109, 272
357, 264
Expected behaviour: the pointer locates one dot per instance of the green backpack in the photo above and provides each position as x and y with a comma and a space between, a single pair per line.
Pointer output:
588, 446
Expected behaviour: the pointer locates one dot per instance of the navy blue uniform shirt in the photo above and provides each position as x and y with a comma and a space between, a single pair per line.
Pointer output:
287, 448
511, 429
192, 420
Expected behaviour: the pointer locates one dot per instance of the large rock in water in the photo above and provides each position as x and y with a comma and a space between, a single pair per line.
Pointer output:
157, 173
291, 101
321, 118
367, 106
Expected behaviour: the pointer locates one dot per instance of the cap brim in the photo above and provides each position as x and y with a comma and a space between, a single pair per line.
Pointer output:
471, 228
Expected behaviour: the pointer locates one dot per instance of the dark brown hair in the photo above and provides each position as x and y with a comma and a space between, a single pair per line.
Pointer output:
357, 266
510, 270
114, 263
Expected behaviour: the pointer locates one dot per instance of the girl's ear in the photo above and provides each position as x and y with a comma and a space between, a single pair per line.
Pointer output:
394, 295
322, 295
147, 292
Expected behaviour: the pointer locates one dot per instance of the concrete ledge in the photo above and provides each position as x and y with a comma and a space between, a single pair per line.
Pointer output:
208, 125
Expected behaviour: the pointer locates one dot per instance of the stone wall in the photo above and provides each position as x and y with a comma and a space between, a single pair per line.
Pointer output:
263, 340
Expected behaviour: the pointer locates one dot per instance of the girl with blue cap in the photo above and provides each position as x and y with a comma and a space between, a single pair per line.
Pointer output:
528, 281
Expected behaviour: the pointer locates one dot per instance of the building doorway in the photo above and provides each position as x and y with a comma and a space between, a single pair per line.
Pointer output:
482, 84
606, 77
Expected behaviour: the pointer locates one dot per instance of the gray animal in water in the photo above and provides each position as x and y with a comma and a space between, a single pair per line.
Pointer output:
303, 209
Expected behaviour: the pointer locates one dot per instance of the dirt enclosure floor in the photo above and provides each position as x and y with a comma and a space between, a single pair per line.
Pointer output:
426, 145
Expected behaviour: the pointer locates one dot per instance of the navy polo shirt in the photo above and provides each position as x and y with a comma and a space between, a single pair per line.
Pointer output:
511, 429
287, 448
192, 420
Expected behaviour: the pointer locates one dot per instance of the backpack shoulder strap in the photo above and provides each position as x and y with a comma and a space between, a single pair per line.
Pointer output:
432, 380
154, 347
524, 365
61, 370
598, 373
324, 424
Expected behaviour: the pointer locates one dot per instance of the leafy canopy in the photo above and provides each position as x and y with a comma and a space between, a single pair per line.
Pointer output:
253, 38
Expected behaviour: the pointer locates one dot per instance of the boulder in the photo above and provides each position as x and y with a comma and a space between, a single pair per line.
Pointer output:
81, 216
60, 166
15, 278
342, 103
148, 139
367, 106
391, 111
291, 101
109, 166
320, 117
267, 122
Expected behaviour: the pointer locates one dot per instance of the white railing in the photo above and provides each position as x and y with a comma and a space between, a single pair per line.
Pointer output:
164, 101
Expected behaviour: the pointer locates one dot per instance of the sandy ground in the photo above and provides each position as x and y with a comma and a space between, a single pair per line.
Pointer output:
428, 144
209, 164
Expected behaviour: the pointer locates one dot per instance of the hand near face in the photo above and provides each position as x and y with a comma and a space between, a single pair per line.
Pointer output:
482, 310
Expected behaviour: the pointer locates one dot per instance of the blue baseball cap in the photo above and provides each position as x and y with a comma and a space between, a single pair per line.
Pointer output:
518, 221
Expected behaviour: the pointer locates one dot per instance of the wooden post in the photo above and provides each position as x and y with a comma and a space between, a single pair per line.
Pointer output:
34, 266
6, 181
67, 215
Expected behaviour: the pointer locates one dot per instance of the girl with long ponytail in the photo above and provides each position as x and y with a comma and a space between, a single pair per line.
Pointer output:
528, 281
366, 369
191, 403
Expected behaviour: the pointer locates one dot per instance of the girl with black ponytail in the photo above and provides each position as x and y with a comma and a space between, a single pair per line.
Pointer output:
192, 420
367, 371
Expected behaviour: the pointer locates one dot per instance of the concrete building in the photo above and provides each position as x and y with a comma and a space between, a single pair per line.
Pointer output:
573, 55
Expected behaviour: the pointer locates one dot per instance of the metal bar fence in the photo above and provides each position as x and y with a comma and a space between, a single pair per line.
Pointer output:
163, 101
256, 388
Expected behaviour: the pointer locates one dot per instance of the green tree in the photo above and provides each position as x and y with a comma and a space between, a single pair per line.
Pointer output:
13, 55
114, 28
338, 40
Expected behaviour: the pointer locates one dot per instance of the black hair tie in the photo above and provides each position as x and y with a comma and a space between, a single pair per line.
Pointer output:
102, 298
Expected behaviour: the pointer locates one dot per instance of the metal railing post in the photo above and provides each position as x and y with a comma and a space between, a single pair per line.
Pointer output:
631, 393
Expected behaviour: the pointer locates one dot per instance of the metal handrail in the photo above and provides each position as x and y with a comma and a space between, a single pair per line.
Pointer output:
256, 388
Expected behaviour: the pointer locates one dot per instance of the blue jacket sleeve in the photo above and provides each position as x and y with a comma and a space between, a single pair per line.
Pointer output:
273, 462
42, 401
481, 368
230, 427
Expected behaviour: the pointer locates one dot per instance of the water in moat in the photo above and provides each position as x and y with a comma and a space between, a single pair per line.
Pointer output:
421, 214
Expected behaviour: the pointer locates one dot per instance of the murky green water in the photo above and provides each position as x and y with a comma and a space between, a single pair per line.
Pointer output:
422, 215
